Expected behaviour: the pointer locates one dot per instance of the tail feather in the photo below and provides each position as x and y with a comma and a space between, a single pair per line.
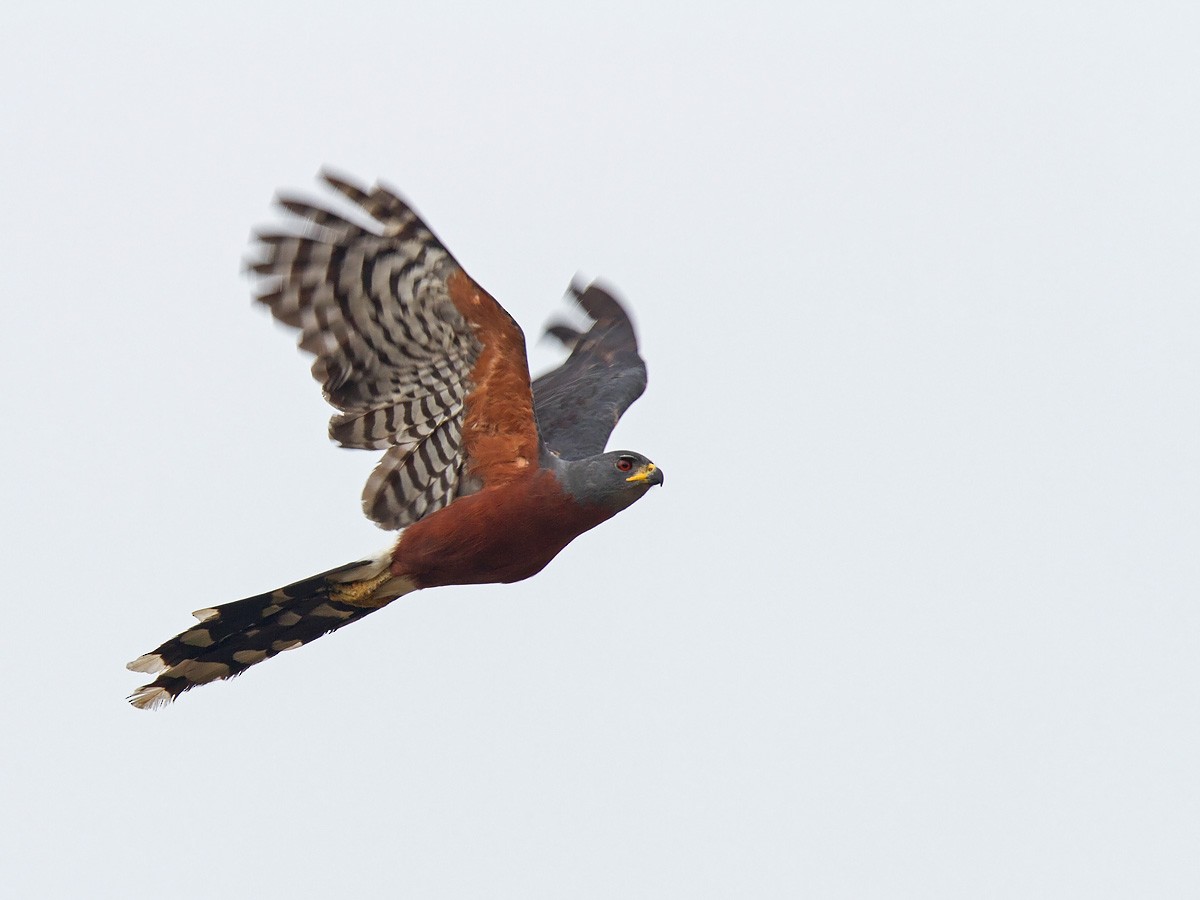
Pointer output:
231, 638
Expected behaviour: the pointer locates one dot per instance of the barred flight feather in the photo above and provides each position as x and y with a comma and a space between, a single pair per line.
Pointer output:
414, 480
393, 353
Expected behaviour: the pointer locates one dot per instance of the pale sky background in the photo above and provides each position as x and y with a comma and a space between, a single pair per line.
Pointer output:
916, 614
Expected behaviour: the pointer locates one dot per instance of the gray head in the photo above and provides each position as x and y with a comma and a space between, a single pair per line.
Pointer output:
611, 480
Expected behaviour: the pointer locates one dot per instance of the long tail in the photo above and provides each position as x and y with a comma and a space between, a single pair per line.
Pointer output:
231, 638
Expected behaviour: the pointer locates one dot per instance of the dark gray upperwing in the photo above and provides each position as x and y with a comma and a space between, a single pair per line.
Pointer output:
579, 403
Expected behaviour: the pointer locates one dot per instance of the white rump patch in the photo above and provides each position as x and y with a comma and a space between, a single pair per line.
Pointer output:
368, 568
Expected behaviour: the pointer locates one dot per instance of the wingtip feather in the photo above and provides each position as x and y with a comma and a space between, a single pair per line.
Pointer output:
343, 184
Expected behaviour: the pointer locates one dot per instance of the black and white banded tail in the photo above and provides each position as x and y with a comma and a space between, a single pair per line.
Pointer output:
231, 638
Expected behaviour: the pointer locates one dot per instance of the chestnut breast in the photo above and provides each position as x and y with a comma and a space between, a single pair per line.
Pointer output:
502, 534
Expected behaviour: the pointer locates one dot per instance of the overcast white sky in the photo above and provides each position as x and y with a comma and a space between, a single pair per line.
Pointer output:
916, 612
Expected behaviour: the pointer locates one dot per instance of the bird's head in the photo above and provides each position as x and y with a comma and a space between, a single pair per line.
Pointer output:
612, 480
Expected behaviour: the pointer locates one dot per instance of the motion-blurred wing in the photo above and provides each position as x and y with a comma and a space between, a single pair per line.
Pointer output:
579, 403
420, 360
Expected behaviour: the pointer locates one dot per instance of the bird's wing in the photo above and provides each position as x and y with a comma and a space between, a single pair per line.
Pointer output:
579, 403
418, 358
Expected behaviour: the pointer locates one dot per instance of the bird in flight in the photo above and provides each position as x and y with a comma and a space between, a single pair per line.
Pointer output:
484, 475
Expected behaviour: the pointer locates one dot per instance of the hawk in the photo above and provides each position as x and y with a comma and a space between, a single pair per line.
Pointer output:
484, 475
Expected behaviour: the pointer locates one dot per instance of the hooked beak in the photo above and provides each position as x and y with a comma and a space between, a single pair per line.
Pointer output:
649, 473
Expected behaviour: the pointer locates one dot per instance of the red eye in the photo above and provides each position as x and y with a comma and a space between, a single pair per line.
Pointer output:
624, 463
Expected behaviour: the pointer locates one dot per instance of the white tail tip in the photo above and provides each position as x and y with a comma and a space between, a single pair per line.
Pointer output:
150, 663
150, 697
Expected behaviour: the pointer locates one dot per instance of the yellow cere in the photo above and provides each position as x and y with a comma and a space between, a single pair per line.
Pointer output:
643, 473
